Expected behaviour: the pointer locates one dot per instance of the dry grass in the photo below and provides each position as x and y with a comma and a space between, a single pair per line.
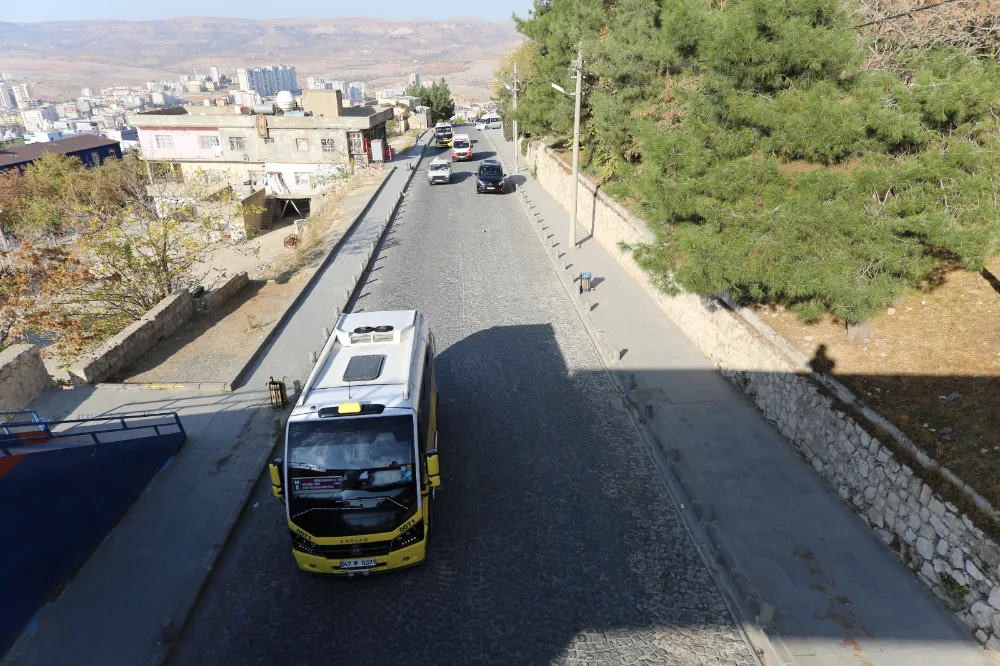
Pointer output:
340, 203
939, 340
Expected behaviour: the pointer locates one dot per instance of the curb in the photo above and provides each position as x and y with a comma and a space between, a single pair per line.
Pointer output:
745, 604
170, 630
283, 319
223, 387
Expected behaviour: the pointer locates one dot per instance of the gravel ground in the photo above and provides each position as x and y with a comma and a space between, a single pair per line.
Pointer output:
555, 541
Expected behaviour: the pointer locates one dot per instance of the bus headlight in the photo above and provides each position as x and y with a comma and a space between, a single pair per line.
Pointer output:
306, 546
409, 537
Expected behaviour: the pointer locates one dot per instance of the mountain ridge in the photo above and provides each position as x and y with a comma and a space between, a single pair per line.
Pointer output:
56, 56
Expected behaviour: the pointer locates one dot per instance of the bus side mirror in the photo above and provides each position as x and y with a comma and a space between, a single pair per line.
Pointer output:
433, 468
277, 469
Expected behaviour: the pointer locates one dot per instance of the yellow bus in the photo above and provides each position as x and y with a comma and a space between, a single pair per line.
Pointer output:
360, 464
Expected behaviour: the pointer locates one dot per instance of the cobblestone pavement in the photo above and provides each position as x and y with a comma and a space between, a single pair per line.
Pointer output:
554, 540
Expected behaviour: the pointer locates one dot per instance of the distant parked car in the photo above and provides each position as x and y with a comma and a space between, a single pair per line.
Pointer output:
490, 177
439, 171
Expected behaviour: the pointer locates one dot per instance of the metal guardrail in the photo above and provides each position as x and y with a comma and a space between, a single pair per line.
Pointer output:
45, 434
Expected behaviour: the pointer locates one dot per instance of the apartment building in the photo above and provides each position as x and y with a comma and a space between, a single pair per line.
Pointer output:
356, 92
268, 81
290, 154
38, 119
7, 101
23, 96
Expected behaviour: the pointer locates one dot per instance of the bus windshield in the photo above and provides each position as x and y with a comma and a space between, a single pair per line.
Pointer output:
350, 476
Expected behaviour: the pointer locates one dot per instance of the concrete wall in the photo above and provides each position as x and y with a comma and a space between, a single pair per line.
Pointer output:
949, 553
218, 297
323, 102
22, 377
245, 226
118, 352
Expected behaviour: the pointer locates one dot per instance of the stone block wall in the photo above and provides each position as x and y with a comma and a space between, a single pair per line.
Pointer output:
950, 554
22, 377
118, 352
216, 298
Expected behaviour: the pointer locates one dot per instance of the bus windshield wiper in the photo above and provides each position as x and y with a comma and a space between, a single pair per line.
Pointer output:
379, 497
309, 466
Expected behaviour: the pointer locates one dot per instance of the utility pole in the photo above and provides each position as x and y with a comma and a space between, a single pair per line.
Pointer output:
514, 83
578, 66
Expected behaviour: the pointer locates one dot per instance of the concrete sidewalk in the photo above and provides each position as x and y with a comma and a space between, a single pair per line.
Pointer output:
841, 597
134, 593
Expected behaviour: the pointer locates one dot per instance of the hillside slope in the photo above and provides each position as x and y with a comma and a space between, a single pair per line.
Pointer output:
62, 56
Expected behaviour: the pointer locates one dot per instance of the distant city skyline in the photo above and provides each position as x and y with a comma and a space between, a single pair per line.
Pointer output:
63, 10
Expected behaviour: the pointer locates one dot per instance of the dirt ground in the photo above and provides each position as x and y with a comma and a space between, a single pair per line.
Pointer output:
258, 256
931, 366
215, 347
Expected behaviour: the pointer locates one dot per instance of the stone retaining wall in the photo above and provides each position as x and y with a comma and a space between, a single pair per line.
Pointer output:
949, 553
120, 351
216, 298
22, 377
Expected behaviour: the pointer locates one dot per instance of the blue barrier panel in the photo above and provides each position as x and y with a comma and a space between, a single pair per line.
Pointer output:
61, 493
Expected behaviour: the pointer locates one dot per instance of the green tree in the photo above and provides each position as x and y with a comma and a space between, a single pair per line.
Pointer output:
768, 161
438, 97
126, 252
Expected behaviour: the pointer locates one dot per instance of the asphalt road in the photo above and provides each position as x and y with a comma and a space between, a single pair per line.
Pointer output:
554, 540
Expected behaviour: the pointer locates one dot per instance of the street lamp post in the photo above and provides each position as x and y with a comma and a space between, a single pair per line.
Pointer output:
578, 66
576, 143
514, 90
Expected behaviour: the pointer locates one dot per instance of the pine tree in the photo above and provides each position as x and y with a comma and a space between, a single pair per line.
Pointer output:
767, 161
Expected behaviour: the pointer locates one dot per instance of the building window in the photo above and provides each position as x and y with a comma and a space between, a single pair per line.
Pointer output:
302, 145
356, 142
207, 142
95, 158
268, 141
303, 179
164, 141
237, 143
329, 146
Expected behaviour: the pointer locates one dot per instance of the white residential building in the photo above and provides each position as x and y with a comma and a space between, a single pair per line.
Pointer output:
341, 86
268, 81
6, 97
413, 80
216, 75
292, 156
250, 98
22, 96
38, 119
356, 92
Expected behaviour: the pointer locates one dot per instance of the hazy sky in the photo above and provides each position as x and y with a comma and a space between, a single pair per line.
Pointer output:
62, 10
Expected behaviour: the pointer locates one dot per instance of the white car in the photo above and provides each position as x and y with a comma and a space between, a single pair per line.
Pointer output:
439, 171
489, 121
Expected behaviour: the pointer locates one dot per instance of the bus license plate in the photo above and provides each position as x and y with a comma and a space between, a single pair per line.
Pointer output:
358, 564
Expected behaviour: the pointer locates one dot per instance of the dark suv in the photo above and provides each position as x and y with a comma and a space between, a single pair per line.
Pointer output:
490, 178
